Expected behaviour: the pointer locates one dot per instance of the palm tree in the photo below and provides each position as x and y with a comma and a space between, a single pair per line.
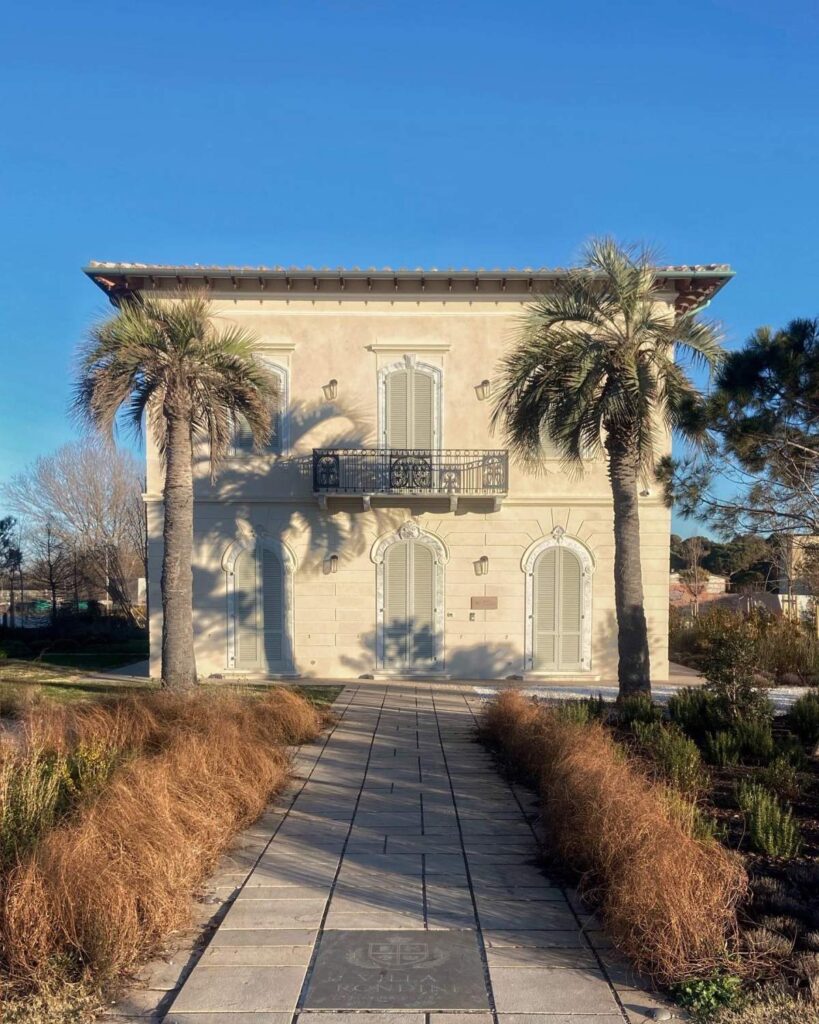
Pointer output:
164, 361
593, 368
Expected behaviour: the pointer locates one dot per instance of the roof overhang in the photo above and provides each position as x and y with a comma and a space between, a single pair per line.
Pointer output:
694, 285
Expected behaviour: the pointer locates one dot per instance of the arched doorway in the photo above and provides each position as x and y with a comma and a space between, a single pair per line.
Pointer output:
558, 605
259, 571
410, 595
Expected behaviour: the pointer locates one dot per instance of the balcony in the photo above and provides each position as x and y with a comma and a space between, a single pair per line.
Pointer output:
398, 472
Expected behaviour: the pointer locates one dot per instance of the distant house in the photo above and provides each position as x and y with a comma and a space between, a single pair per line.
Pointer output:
383, 531
800, 568
682, 593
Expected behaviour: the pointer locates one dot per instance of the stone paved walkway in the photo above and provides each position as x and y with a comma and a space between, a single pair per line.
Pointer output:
401, 886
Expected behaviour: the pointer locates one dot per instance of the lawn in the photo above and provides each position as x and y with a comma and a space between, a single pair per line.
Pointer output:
22, 681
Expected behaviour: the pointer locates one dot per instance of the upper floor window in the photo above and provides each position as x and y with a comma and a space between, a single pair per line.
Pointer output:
410, 405
279, 441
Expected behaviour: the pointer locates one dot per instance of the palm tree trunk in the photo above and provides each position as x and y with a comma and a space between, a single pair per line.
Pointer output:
634, 669
178, 664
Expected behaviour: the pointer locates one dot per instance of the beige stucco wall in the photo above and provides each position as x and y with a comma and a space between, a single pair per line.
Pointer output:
350, 339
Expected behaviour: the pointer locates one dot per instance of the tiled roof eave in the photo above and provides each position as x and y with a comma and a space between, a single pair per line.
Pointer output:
694, 284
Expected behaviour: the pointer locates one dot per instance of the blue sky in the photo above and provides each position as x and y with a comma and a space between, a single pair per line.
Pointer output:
444, 133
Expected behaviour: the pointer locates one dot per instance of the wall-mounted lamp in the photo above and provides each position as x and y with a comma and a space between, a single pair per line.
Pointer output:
482, 566
483, 390
330, 390
330, 564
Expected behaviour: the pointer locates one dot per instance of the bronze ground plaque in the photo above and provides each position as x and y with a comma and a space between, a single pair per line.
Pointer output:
397, 970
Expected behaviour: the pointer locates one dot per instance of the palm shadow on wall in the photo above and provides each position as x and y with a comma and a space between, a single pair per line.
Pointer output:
407, 650
340, 530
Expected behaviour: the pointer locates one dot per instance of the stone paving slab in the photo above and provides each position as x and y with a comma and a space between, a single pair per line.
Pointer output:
560, 1018
397, 823
266, 913
542, 956
333, 1017
551, 990
236, 988
257, 956
264, 937
177, 1017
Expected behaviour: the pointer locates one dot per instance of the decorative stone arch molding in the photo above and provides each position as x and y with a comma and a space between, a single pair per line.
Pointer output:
250, 537
411, 362
410, 530
559, 538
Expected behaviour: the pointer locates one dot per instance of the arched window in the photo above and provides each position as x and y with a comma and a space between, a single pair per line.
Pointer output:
558, 604
279, 439
410, 405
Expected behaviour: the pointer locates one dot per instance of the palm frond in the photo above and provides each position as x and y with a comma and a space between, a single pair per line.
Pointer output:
597, 357
161, 354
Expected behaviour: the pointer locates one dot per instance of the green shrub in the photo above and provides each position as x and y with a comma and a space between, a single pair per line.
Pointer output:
676, 757
730, 670
776, 646
730, 664
638, 708
768, 942
691, 818
804, 717
781, 778
789, 747
755, 739
582, 711
33, 793
784, 924
705, 996
771, 828
90, 766
721, 748
695, 711
36, 790
597, 707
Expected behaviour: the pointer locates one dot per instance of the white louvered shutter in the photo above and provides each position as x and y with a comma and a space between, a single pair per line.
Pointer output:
242, 437
422, 620
423, 395
398, 427
544, 626
396, 606
548, 448
570, 623
272, 610
274, 445
246, 611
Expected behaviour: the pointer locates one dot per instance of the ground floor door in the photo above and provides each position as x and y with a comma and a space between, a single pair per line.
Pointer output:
410, 641
261, 642
557, 614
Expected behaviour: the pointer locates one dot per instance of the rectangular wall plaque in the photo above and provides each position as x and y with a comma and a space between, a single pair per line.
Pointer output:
484, 603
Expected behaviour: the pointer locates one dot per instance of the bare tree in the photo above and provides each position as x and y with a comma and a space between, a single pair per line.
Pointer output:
694, 578
11, 560
87, 497
50, 567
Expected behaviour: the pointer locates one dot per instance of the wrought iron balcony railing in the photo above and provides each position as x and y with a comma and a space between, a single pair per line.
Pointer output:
397, 471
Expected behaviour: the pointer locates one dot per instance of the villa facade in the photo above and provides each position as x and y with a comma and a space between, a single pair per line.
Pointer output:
385, 531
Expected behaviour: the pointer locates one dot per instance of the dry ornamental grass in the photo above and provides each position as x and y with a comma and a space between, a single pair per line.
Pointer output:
668, 899
101, 888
